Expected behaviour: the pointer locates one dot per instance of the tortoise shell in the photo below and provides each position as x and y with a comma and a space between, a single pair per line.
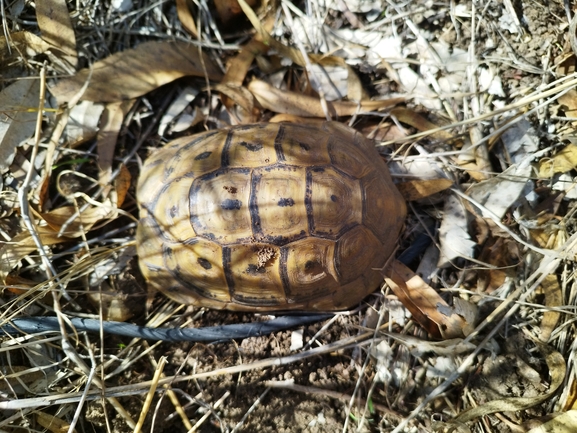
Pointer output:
267, 217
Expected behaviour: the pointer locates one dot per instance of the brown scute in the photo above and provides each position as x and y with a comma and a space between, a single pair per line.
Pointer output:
267, 217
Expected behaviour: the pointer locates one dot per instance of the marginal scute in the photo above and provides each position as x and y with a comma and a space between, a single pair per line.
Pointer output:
172, 210
349, 159
384, 213
267, 217
355, 249
310, 269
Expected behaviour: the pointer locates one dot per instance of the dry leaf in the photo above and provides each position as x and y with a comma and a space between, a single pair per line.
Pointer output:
83, 120
176, 108
57, 218
453, 233
242, 98
186, 18
23, 244
111, 123
500, 192
135, 72
297, 104
427, 307
122, 184
18, 117
502, 253
520, 140
418, 189
417, 121
355, 91
52, 423
565, 160
553, 298
56, 28
22, 42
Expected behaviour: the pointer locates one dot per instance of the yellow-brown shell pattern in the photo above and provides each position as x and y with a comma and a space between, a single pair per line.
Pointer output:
267, 217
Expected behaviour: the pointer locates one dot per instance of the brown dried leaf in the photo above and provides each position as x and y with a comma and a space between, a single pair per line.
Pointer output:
186, 18
553, 298
135, 72
418, 189
22, 42
122, 184
240, 95
52, 423
79, 225
56, 28
241, 63
297, 104
427, 307
21, 245
417, 121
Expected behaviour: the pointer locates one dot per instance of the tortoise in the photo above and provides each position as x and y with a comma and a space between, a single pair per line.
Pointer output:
267, 217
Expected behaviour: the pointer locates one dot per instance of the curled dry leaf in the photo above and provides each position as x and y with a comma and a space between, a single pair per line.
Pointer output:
22, 42
427, 307
296, 104
122, 184
56, 28
83, 122
417, 121
135, 72
52, 423
418, 189
57, 219
565, 160
23, 243
500, 192
242, 97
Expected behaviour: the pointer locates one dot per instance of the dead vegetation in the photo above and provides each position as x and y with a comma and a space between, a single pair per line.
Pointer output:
473, 103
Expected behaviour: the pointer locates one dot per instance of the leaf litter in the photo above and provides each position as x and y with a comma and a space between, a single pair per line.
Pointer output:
480, 138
